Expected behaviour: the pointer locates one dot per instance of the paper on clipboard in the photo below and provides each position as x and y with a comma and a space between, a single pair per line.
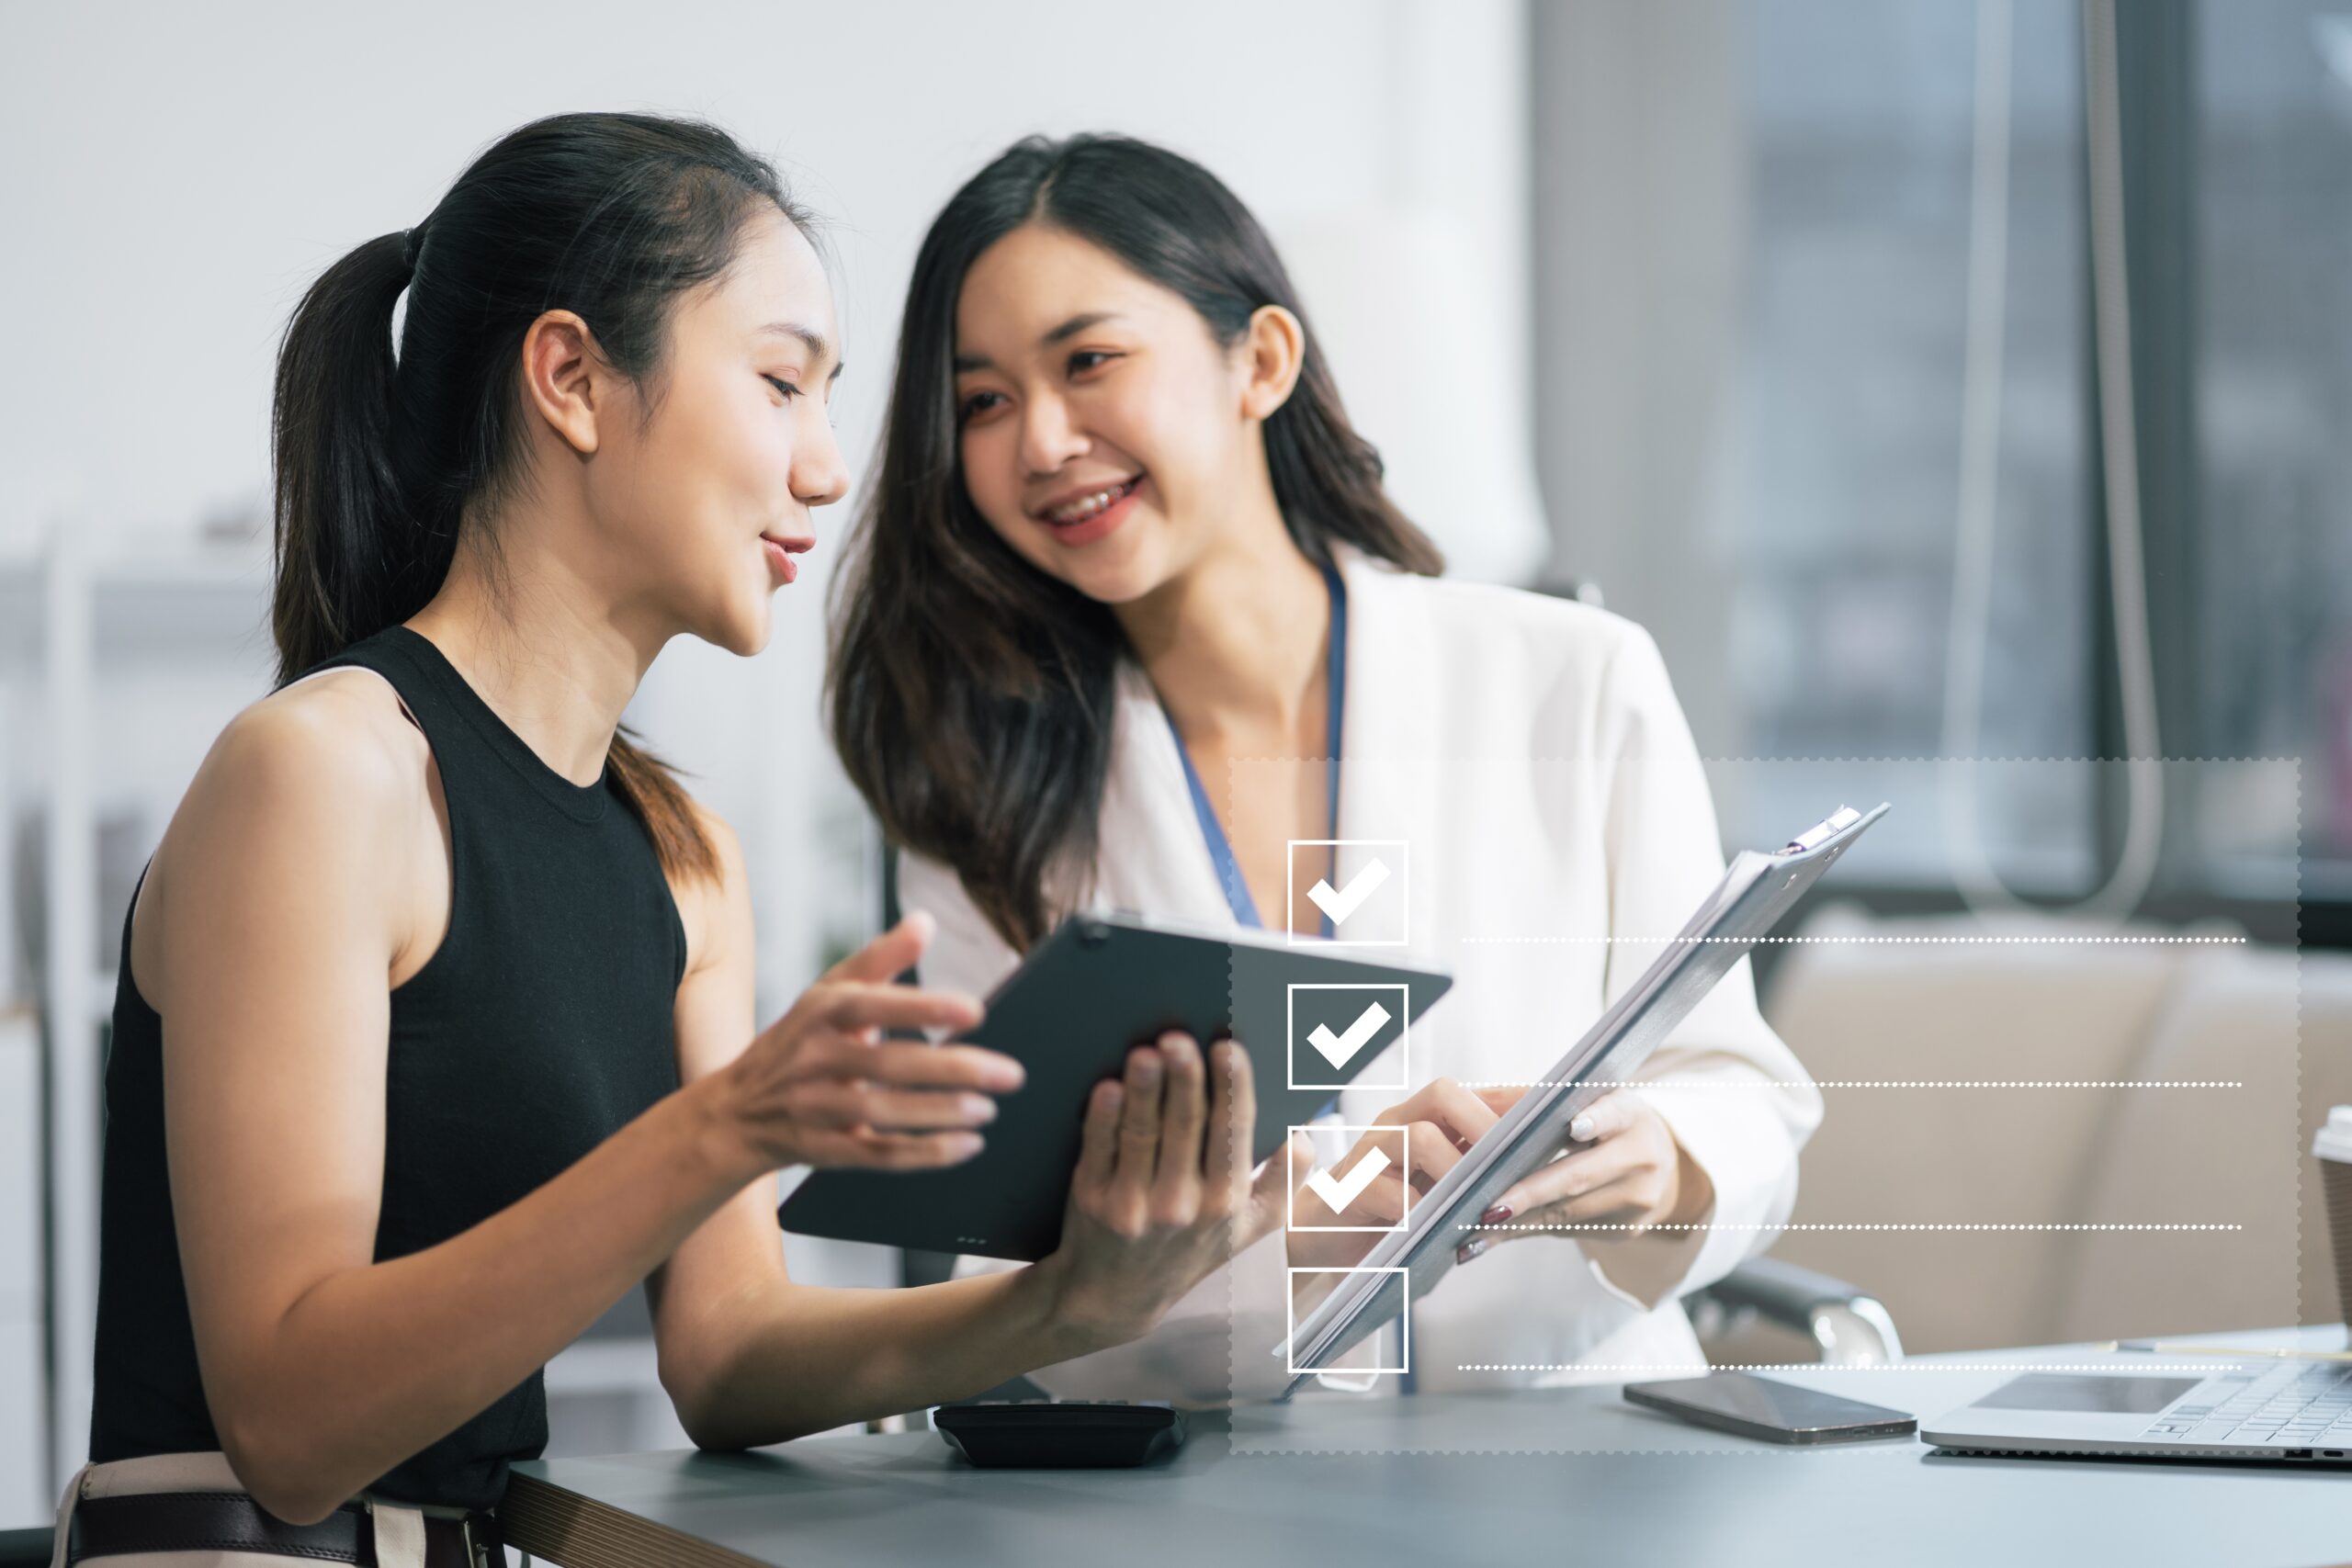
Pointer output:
1757, 892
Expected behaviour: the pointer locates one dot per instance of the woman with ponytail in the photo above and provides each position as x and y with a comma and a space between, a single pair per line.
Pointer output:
433, 1033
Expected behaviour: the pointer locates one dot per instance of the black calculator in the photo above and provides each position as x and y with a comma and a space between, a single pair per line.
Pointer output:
1061, 1434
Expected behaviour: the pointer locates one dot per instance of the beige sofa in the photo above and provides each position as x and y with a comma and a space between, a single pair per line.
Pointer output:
1925, 1007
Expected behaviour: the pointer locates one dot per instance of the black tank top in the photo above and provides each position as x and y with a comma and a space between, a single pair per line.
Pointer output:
539, 1028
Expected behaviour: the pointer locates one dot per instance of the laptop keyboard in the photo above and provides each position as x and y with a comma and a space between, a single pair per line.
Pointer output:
2287, 1406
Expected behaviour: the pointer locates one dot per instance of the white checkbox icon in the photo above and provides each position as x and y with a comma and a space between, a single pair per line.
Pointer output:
1365, 892
1404, 1323
1340, 902
1320, 1202
1340, 1049
1334, 1026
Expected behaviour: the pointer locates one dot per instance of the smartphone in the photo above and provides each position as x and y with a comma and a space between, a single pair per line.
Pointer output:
1776, 1412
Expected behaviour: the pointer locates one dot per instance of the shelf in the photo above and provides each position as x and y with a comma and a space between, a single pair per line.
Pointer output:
173, 600
179, 563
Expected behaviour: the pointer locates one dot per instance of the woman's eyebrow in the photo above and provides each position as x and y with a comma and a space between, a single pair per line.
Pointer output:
819, 347
1076, 325
1062, 334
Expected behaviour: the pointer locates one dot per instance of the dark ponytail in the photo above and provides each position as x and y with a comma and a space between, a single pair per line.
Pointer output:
382, 459
344, 570
971, 695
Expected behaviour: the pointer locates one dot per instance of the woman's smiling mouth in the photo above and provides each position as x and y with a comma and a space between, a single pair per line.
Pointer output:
1094, 515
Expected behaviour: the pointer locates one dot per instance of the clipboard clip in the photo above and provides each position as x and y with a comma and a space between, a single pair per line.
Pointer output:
1821, 832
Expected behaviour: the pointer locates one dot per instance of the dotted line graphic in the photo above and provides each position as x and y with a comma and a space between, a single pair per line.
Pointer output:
1855, 1225
1872, 1083
1894, 940
2204, 1369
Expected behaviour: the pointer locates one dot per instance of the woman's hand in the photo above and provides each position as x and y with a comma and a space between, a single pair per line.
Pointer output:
820, 1087
1162, 1194
1440, 1121
1620, 1169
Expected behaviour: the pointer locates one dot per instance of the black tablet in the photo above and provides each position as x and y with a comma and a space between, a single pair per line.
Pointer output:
1313, 1016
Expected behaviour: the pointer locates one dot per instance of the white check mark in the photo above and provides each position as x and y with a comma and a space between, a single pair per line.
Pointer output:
1346, 901
1341, 1190
1337, 1048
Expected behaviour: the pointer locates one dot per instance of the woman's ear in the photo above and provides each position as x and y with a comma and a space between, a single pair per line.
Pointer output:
564, 378
1274, 351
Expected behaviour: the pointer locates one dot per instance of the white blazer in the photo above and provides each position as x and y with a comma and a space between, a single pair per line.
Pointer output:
1531, 753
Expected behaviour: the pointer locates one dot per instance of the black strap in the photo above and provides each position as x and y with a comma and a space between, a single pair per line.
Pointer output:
231, 1521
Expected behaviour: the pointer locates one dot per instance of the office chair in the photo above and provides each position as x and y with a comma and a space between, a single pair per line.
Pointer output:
1849, 1327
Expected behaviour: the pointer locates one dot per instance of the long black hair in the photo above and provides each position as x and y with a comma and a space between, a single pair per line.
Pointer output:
970, 694
384, 461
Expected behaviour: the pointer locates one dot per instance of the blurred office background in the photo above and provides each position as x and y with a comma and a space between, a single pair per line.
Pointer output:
1770, 322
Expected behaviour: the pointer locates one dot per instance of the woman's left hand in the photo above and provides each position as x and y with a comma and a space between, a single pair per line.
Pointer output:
1620, 1167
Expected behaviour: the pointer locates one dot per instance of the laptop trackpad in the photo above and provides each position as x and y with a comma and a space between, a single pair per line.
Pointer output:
2095, 1395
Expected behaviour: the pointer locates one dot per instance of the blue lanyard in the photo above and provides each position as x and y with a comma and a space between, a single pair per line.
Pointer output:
1228, 872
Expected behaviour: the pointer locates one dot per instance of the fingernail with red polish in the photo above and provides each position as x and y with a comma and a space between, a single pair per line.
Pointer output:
1469, 1249
1495, 1215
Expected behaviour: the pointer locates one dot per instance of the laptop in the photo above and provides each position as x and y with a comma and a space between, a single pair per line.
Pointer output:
2260, 1409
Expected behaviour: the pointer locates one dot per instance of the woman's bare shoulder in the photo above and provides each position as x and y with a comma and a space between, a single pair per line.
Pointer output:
323, 784
343, 732
326, 771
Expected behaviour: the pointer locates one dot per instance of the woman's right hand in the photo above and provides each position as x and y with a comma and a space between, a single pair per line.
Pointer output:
821, 1087
1163, 1194
1437, 1124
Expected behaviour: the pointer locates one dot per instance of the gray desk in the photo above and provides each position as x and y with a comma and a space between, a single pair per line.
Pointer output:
1638, 1489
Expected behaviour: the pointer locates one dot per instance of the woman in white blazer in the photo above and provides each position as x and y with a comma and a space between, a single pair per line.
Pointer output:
1126, 585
